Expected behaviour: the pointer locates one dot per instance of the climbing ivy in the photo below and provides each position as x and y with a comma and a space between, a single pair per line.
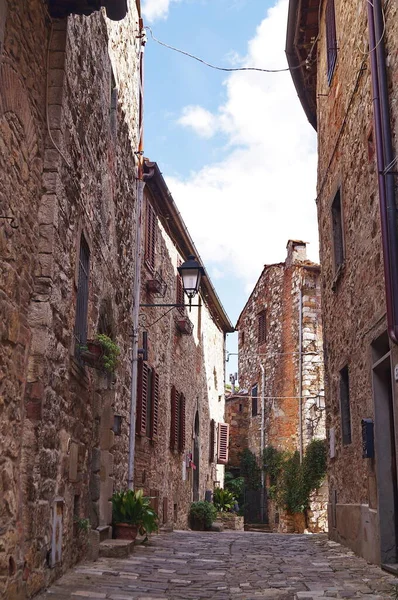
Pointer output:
250, 470
291, 483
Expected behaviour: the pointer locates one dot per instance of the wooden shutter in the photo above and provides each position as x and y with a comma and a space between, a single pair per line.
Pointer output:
331, 39
181, 440
212, 440
174, 419
150, 236
142, 398
155, 405
223, 443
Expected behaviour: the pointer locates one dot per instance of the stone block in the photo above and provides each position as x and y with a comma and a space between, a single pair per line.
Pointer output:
73, 461
55, 116
48, 209
116, 548
95, 460
52, 157
93, 544
40, 314
95, 487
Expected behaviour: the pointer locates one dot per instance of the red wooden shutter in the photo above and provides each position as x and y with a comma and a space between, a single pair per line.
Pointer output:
174, 419
181, 441
142, 398
212, 440
155, 406
223, 443
150, 236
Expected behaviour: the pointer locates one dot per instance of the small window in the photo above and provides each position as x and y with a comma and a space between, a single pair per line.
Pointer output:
242, 338
337, 225
345, 406
240, 407
82, 296
254, 400
331, 39
261, 327
150, 237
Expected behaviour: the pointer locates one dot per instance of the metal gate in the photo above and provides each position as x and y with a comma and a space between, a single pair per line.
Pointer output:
252, 506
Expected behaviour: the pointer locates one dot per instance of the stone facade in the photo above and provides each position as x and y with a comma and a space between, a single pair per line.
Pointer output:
238, 416
192, 364
285, 295
66, 185
359, 358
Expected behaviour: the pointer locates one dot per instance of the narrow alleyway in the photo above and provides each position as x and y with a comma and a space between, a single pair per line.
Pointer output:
228, 566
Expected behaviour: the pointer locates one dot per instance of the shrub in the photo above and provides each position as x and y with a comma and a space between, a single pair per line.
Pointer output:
202, 513
111, 351
134, 508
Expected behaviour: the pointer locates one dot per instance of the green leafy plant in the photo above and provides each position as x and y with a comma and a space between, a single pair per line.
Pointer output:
236, 485
250, 470
111, 352
134, 508
291, 483
82, 524
202, 513
223, 500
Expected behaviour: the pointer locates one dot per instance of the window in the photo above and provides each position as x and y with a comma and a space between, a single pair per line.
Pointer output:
254, 400
179, 290
147, 401
177, 421
212, 441
337, 225
150, 237
345, 406
242, 338
240, 407
331, 39
82, 296
261, 327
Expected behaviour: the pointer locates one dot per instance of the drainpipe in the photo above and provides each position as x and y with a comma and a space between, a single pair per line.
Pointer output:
384, 155
262, 439
300, 358
136, 291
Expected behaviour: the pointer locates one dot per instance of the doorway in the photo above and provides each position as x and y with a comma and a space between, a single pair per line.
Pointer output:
196, 458
385, 451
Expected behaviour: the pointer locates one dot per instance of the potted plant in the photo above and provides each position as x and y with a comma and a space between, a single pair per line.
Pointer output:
101, 353
131, 514
202, 514
223, 500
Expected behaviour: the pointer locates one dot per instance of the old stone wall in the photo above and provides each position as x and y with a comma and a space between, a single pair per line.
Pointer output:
59, 457
353, 297
194, 365
238, 418
279, 293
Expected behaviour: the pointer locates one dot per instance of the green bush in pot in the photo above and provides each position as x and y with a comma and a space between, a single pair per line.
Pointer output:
202, 514
132, 513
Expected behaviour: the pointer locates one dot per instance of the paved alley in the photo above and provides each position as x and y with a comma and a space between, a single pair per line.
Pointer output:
228, 566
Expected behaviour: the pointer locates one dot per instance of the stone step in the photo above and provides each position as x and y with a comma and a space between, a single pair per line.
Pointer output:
105, 532
116, 548
259, 527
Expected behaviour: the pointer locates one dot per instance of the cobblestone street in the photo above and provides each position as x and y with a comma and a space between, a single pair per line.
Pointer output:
228, 566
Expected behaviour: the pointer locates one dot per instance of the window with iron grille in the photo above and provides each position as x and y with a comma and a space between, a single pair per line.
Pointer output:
80, 331
150, 237
337, 225
331, 39
180, 290
345, 406
254, 400
261, 320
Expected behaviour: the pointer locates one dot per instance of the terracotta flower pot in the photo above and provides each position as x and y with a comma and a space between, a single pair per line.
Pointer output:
125, 531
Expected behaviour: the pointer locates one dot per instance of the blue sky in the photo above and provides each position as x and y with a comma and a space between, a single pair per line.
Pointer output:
236, 150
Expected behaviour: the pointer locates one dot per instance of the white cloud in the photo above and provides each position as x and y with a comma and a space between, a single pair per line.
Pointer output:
156, 9
242, 210
203, 122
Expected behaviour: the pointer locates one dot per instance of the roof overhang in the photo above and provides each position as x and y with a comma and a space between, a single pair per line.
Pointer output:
171, 219
115, 9
302, 31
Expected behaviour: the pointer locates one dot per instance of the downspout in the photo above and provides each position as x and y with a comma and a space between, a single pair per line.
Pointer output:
262, 440
384, 155
136, 291
300, 358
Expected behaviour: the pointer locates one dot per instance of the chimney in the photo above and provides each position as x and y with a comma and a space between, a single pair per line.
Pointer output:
296, 252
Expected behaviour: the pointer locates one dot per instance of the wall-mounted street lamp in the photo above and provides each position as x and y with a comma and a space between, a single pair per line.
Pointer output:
191, 272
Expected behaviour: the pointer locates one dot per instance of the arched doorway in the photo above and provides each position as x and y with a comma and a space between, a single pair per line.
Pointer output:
196, 459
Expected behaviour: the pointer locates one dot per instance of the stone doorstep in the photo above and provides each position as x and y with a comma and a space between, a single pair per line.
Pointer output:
105, 532
115, 548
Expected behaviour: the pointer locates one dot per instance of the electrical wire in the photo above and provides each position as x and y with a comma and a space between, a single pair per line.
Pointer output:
367, 52
234, 69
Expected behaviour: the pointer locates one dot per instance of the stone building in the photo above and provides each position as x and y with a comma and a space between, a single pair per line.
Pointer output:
180, 439
347, 67
281, 359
